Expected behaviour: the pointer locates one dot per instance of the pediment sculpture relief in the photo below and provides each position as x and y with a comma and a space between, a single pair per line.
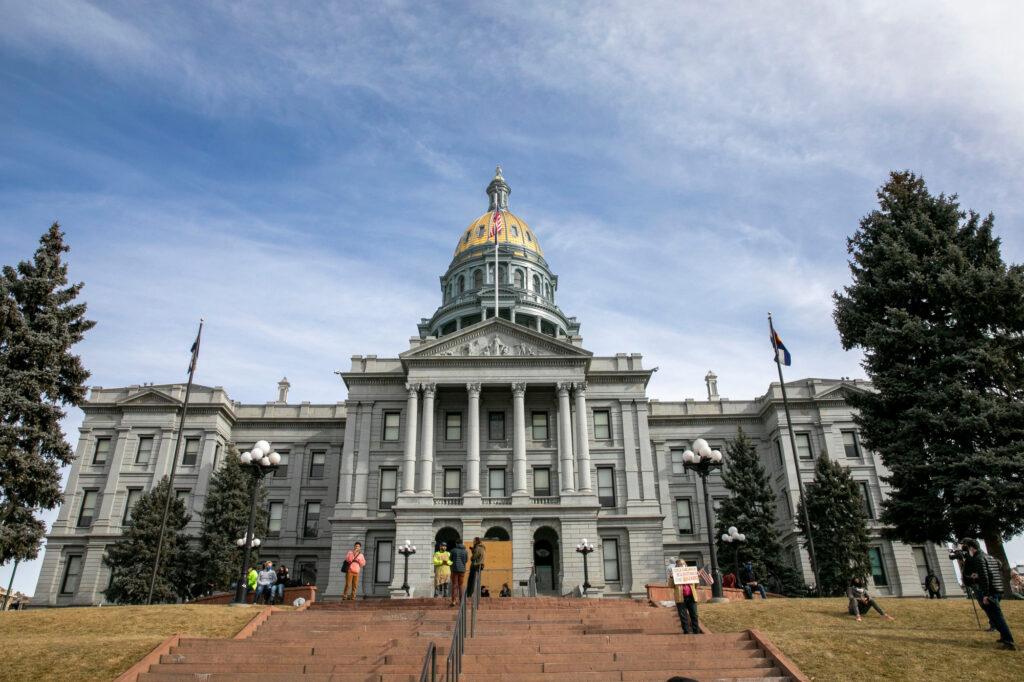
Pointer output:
493, 346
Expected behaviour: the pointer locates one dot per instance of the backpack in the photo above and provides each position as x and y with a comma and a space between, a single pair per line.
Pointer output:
345, 565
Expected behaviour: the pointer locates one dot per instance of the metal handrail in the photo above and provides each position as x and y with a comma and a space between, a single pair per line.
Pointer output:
429, 671
476, 602
531, 582
453, 664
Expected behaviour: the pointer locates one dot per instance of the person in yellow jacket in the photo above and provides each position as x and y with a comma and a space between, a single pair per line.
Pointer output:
442, 571
250, 581
686, 603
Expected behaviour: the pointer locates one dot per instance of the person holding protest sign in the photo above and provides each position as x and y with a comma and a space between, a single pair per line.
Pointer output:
683, 580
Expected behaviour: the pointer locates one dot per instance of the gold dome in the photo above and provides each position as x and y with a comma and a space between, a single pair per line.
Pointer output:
515, 234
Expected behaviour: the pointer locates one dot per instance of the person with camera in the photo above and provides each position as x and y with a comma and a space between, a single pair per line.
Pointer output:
977, 572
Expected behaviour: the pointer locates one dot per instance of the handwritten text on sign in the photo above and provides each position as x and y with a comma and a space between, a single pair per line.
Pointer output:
685, 575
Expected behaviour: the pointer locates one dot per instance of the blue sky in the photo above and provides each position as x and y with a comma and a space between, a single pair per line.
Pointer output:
299, 173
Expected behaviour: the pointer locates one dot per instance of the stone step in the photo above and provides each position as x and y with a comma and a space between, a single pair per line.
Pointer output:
715, 675
279, 677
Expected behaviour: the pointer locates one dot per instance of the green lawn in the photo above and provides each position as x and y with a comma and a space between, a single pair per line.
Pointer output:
100, 643
930, 640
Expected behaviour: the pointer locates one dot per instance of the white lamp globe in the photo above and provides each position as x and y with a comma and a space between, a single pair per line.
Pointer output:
414, 548
264, 446
265, 461
701, 448
688, 456
245, 457
408, 543
716, 456
726, 537
256, 542
733, 531
742, 537
275, 458
240, 542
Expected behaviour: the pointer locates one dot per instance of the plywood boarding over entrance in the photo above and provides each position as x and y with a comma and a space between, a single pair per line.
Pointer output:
497, 565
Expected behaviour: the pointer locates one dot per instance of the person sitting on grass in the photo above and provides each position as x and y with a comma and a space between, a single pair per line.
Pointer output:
861, 602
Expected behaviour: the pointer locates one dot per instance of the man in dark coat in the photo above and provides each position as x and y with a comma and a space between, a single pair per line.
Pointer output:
459, 558
977, 574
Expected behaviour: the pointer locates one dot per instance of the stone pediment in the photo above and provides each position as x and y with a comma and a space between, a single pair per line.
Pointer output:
149, 397
495, 339
840, 392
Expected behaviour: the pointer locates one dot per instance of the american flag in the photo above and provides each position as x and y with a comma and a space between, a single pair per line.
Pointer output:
705, 576
496, 225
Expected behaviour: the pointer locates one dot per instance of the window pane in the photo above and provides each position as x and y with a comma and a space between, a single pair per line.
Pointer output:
606, 486
803, 446
282, 468
851, 445
385, 557
610, 552
539, 424
542, 482
182, 495
778, 450
921, 559
316, 464
72, 574
388, 488
865, 494
496, 483
391, 421
453, 426
452, 482
276, 516
685, 522
312, 525
191, 452
88, 509
496, 426
133, 497
877, 567
145, 450
99, 455
677, 461
601, 428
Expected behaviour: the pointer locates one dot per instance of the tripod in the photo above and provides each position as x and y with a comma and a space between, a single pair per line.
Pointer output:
974, 604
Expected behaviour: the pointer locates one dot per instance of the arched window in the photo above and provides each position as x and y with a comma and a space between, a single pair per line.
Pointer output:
480, 231
536, 285
515, 231
478, 278
465, 239
462, 284
529, 238
519, 279
502, 274
547, 290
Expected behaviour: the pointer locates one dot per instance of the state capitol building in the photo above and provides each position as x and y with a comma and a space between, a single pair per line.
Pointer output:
504, 427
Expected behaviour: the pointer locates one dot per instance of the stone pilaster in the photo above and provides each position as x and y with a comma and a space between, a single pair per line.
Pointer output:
411, 433
519, 439
473, 441
582, 439
426, 486
567, 475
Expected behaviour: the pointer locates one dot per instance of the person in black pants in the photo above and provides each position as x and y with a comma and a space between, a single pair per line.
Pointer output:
686, 603
977, 574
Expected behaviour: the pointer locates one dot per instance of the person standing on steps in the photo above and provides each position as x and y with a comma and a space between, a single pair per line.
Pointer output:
476, 568
686, 603
442, 571
354, 562
459, 559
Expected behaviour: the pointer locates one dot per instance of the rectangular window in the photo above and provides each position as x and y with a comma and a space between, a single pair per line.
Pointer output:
88, 508
72, 574
803, 446
182, 494
282, 468
542, 481
388, 488
921, 559
684, 517
317, 460
453, 482
676, 454
610, 553
391, 429
453, 426
102, 450
606, 486
877, 566
851, 443
216, 455
275, 518
145, 450
602, 425
865, 494
716, 504
311, 520
307, 572
786, 509
778, 451
191, 455
496, 425
496, 483
383, 560
133, 497
539, 425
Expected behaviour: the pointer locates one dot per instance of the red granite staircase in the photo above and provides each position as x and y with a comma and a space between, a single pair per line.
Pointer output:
555, 640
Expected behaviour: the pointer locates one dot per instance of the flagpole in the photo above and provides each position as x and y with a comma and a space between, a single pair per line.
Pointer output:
796, 459
494, 228
174, 463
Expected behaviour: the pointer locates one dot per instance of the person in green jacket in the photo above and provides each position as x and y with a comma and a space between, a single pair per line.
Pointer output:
442, 571
251, 579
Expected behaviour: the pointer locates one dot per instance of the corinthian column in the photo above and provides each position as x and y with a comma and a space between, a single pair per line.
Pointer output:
519, 438
582, 438
411, 433
568, 484
473, 441
427, 449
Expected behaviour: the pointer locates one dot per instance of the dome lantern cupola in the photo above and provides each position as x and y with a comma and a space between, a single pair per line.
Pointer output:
498, 192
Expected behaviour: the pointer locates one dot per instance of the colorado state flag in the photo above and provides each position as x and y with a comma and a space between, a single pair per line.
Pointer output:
781, 354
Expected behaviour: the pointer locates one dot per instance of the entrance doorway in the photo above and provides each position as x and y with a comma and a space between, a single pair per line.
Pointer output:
545, 560
447, 535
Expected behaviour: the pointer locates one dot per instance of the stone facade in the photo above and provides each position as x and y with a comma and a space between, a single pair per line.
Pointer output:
502, 427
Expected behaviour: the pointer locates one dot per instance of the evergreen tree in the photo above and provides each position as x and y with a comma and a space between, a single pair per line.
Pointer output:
39, 323
940, 318
839, 525
131, 558
751, 508
225, 519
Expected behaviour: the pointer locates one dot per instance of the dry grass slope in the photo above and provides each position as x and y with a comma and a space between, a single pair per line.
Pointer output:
930, 640
101, 643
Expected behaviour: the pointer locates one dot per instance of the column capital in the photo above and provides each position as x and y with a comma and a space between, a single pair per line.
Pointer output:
519, 390
563, 388
474, 390
580, 387
412, 388
428, 390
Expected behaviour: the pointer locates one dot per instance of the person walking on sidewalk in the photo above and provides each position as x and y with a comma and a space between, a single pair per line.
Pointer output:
354, 562
476, 564
442, 571
686, 603
459, 559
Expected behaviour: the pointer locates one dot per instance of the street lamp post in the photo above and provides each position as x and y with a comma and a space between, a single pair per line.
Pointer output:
259, 462
585, 548
734, 536
406, 550
704, 460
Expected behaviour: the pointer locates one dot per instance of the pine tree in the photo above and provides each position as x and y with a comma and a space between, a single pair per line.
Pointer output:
39, 323
940, 318
839, 525
751, 508
225, 519
131, 558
